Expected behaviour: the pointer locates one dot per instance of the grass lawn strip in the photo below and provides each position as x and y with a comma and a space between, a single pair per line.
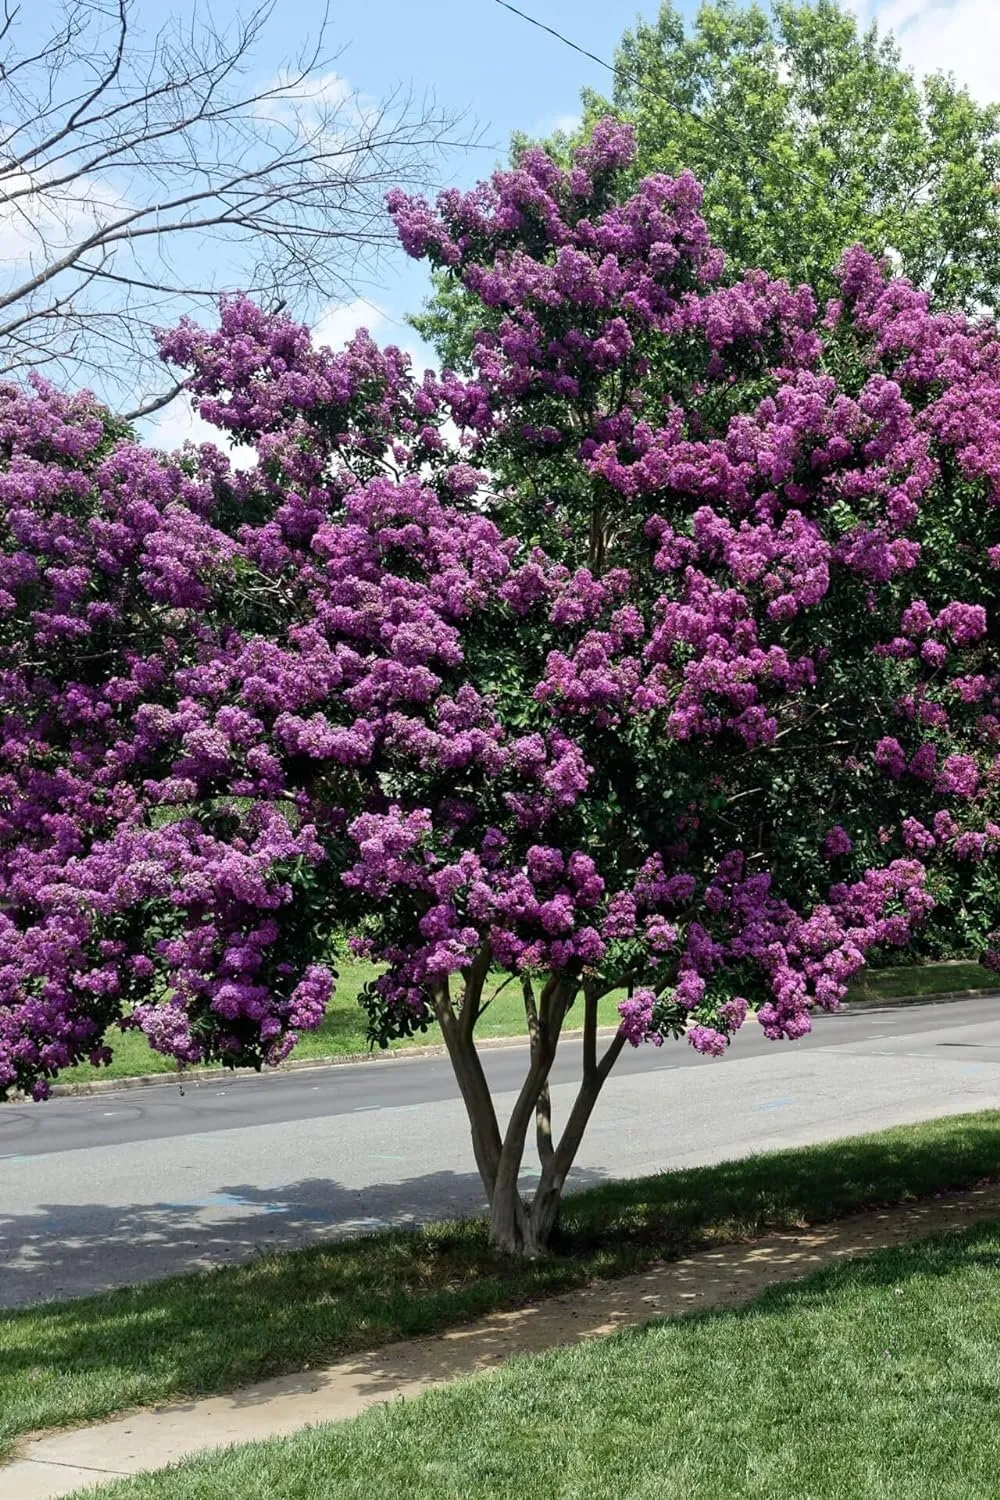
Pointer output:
921, 982
880, 1377
67, 1363
343, 1033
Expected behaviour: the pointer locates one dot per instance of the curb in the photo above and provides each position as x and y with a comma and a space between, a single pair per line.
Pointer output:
946, 998
435, 1049
185, 1078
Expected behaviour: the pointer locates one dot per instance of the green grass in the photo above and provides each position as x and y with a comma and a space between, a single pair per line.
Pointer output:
343, 1029
342, 1032
71, 1362
922, 981
877, 1380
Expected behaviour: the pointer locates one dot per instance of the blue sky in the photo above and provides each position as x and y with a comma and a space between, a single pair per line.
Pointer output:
474, 55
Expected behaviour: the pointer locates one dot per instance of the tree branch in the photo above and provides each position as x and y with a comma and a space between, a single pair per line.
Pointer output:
166, 144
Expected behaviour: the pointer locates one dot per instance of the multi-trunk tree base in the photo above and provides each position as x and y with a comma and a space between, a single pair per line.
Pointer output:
520, 1226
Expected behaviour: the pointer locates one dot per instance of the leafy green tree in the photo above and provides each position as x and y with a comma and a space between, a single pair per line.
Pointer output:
808, 135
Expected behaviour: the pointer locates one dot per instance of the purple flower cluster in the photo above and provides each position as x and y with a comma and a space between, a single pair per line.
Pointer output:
611, 721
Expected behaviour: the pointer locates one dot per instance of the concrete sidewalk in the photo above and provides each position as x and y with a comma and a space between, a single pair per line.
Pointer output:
63, 1462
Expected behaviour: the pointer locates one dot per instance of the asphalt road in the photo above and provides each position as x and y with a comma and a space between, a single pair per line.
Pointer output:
128, 1186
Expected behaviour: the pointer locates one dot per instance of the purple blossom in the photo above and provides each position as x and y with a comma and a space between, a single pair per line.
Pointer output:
637, 1016
708, 1041
836, 842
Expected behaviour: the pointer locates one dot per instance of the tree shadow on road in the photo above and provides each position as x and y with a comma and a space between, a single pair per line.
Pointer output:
71, 1250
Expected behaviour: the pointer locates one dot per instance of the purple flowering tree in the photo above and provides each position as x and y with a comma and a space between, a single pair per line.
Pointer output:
656, 659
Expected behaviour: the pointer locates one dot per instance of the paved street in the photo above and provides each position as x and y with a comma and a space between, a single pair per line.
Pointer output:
129, 1186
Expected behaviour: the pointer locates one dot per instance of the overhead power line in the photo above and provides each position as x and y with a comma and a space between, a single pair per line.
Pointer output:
611, 67
617, 71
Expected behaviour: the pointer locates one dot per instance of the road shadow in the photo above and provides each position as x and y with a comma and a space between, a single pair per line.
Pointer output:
72, 1250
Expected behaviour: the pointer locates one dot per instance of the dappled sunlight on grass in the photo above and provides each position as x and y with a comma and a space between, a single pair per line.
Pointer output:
880, 1377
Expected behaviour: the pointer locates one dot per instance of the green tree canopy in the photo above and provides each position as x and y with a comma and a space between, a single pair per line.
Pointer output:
808, 135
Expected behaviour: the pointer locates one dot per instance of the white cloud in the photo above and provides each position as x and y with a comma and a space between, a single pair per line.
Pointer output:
545, 125
336, 326
327, 90
39, 222
949, 36
300, 103
180, 423
325, 113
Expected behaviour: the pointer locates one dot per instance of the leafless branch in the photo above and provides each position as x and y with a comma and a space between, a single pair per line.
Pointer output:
142, 174
155, 403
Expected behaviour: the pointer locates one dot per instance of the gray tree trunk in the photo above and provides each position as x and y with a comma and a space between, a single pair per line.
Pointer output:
518, 1226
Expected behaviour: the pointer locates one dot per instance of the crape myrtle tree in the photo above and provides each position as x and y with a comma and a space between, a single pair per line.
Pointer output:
672, 675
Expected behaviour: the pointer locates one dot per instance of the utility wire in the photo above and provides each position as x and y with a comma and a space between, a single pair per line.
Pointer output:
611, 67
617, 71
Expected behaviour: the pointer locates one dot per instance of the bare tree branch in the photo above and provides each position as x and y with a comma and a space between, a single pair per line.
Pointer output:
140, 175
155, 403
